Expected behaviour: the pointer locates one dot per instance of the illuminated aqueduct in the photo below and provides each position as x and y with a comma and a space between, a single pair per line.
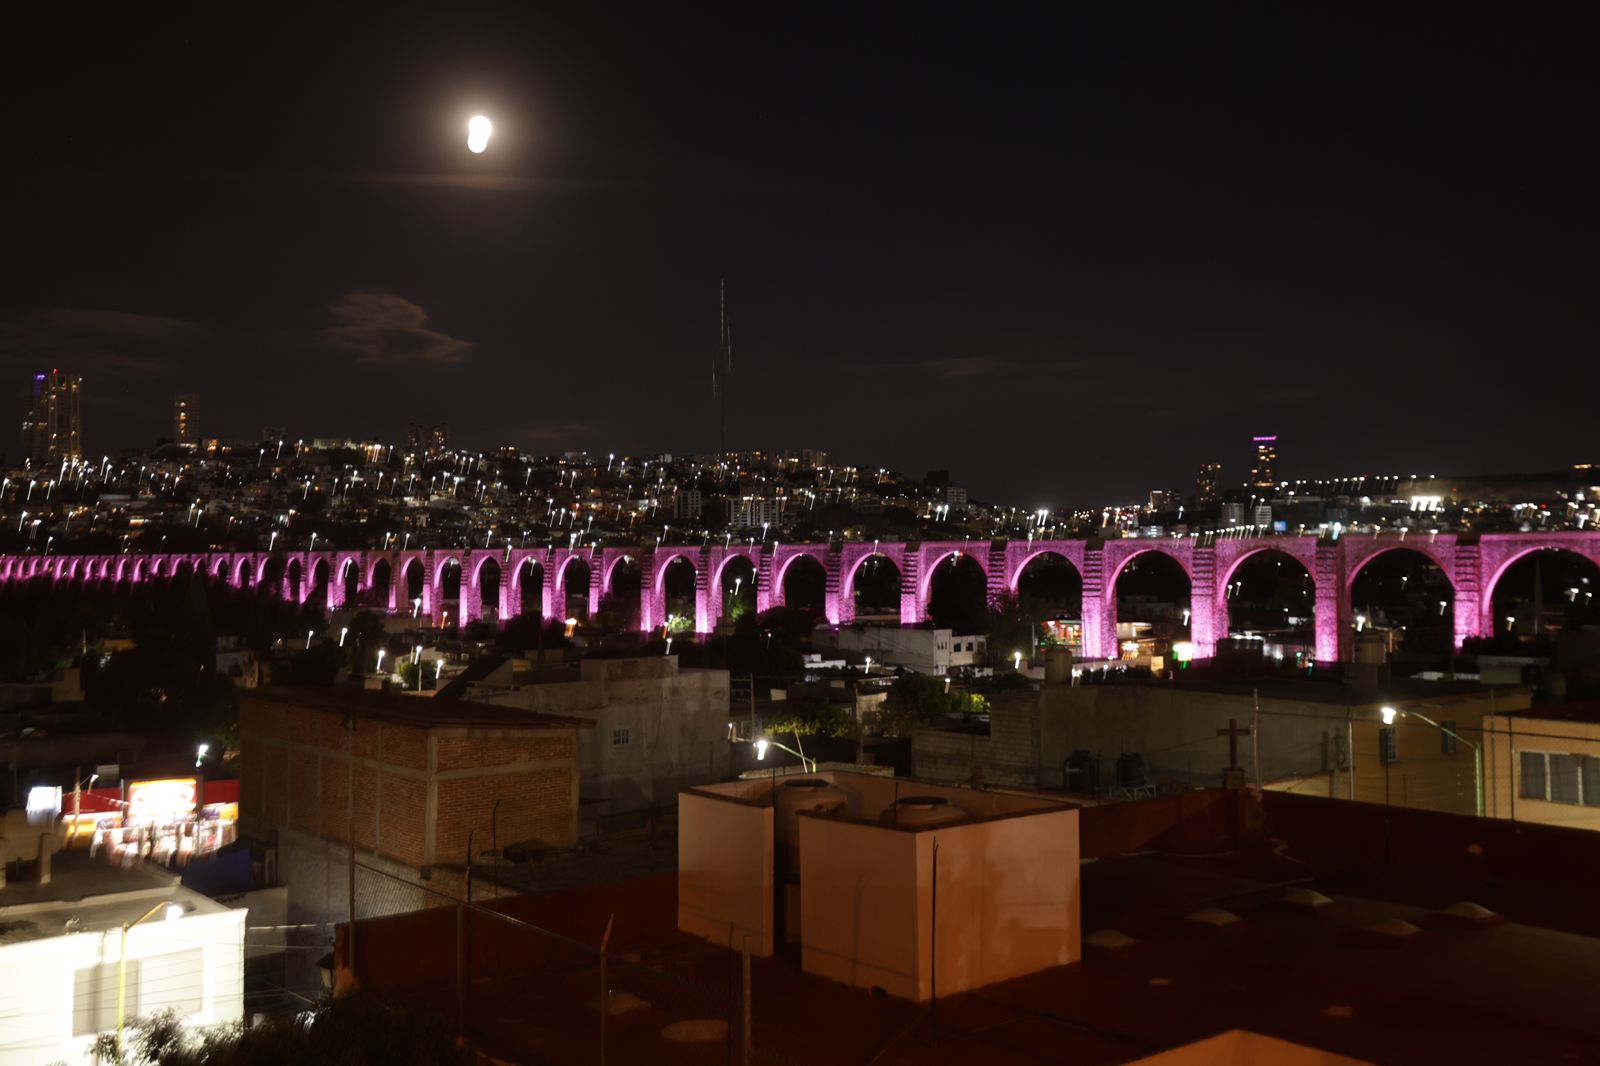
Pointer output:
381, 579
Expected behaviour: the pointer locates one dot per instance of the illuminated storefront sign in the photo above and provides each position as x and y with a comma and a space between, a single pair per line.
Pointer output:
162, 801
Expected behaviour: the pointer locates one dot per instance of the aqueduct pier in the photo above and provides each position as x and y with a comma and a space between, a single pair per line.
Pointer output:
508, 578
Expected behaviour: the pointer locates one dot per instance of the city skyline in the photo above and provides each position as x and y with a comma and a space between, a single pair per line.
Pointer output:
1014, 225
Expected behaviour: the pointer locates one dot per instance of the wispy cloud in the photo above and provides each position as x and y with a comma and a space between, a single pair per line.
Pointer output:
380, 327
98, 342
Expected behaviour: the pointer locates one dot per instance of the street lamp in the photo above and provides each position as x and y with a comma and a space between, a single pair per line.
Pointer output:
381, 653
172, 912
809, 765
1390, 714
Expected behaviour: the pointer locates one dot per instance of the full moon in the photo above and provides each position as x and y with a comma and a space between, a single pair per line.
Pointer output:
478, 131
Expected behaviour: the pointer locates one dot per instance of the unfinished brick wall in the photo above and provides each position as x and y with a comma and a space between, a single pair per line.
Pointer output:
419, 791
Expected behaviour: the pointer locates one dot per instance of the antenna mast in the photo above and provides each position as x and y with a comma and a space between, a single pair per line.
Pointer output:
722, 371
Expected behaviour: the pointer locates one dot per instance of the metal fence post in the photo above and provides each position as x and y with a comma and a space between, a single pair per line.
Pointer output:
605, 989
749, 1036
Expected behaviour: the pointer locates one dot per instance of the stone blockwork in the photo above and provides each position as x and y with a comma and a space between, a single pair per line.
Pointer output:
494, 584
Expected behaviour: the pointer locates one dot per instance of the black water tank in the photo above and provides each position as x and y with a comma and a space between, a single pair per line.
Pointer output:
1130, 770
1082, 773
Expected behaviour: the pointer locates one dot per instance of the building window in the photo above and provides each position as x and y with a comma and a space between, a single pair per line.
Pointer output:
1533, 776
1563, 778
1448, 742
619, 736
1388, 752
1591, 781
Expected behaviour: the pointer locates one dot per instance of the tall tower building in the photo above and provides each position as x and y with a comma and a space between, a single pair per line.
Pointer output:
52, 425
1264, 474
1207, 482
185, 410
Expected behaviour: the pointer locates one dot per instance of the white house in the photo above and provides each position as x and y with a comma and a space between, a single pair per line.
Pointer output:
64, 953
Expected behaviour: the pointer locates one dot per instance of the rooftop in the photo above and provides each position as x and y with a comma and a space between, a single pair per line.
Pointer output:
1503, 991
423, 712
1317, 690
96, 893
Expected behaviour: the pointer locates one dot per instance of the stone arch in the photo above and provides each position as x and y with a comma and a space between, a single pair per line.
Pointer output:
1229, 575
735, 579
487, 579
1180, 627
677, 580
414, 583
565, 582
956, 583
379, 580
1494, 620
244, 574
850, 580
1040, 555
527, 587
293, 582
937, 558
810, 570
448, 577
349, 580
1413, 607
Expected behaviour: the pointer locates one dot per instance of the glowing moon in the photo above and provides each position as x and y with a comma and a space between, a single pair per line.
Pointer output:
478, 131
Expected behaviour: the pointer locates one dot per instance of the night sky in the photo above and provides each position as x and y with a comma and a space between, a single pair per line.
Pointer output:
1067, 260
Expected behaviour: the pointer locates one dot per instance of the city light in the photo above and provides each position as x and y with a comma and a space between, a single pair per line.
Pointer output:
478, 131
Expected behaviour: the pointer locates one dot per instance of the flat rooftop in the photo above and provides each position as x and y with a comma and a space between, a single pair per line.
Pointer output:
98, 894
1316, 690
1518, 991
423, 712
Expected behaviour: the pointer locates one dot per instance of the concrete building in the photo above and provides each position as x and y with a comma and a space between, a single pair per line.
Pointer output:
656, 728
62, 950
1544, 765
417, 776
844, 864
1292, 735
1264, 474
185, 410
1207, 484
52, 423
925, 651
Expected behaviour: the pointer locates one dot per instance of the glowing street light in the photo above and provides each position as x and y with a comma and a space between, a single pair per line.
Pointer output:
479, 129
343, 632
381, 653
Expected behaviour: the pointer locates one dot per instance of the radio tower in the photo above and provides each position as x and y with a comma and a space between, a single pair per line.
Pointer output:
722, 372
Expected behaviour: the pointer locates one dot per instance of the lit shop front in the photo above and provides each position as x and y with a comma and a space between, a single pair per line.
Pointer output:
166, 820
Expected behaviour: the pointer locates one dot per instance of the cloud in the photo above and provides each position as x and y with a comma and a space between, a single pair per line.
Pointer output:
97, 342
968, 366
379, 327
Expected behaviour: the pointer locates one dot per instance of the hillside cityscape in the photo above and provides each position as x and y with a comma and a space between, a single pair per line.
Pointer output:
1124, 593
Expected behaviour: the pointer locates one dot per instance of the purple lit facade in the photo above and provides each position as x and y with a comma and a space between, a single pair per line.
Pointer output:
381, 580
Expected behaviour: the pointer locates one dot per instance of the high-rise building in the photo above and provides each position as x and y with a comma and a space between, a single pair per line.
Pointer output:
1207, 484
1264, 474
185, 409
52, 426
429, 440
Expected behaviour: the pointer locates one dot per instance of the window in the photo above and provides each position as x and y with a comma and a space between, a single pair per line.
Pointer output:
1387, 749
619, 736
1591, 781
174, 981
1533, 775
1563, 779
1448, 742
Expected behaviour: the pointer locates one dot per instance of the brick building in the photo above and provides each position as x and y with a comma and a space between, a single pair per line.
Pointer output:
426, 775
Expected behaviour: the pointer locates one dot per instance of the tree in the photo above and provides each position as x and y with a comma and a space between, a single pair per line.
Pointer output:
915, 700
353, 1029
814, 718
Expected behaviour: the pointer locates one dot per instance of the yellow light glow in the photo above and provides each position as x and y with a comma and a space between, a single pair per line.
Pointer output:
478, 131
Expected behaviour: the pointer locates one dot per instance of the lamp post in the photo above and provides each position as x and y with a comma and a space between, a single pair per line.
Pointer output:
1390, 714
808, 765
172, 913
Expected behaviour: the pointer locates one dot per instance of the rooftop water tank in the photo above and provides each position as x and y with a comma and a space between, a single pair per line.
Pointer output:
810, 794
915, 812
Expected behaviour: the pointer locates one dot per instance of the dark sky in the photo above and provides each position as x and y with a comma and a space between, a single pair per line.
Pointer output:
1066, 259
